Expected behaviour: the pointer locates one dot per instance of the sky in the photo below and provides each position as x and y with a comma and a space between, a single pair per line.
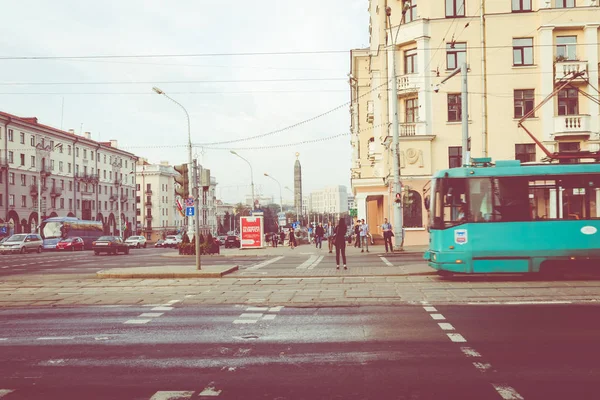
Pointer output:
228, 96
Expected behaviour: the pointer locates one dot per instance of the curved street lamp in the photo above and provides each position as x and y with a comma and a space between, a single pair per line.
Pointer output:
251, 175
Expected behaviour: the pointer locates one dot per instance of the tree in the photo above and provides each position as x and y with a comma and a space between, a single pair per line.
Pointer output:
242, 209
226, 223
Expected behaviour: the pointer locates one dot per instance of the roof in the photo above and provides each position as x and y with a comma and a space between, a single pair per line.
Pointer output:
33, 123
516, 169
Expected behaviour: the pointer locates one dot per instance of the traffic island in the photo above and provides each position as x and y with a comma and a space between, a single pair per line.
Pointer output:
168, 272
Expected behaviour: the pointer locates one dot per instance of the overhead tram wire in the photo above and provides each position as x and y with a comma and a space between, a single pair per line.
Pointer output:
171, 82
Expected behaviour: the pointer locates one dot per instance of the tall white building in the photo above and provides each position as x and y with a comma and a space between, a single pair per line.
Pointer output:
332, 199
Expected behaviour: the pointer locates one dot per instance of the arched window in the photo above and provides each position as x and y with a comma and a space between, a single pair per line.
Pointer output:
413, 210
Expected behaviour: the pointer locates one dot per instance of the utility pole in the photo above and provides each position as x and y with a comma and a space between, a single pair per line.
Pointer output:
196, 192
398, 211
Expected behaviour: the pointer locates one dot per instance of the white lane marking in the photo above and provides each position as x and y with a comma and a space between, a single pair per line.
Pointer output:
257, 308
386, 262
101, 338
469, 352
171, 395
137, 321
251, 315
150, 315
456, 337
270, 316
483, 367
56, 338
245, 321
4, 392
264, 263
56, 362
437, 316
210, 390
308, 262
425, 303
161, 308
430, 309
523, 302
446, 326
275, 309
3, 339
187, 296
174, 301
507, 392
317, 262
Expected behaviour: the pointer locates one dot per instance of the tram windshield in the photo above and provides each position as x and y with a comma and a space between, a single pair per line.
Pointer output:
514, 199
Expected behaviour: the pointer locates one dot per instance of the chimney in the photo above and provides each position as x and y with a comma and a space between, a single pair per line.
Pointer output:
164, 163
87, 135
114, 143
72, 131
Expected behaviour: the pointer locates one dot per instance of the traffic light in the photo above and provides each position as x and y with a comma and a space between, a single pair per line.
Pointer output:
181, 189
398, 198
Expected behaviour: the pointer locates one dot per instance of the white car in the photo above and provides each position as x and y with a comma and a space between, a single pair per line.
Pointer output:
136, 241
172, 241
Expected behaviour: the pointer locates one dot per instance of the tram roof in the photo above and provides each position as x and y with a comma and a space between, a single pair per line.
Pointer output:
515, 168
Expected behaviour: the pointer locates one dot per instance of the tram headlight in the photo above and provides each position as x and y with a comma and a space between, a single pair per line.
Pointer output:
433, 257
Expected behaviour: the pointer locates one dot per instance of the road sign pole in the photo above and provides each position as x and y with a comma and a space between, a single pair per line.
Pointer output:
196, 216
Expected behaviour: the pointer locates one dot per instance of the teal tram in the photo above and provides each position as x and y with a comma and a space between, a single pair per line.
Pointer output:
510, 217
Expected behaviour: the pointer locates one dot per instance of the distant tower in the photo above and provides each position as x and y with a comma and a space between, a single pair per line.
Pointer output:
298, 187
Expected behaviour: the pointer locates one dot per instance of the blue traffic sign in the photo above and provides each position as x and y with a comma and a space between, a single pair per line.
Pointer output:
189, 211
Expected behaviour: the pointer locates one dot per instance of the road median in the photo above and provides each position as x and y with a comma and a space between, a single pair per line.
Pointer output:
168, 272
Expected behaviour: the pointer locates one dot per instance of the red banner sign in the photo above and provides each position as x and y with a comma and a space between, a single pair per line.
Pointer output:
251, 232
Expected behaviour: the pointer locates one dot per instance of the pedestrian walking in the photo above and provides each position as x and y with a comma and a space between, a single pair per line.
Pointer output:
340, 242
330, 236
319, 233
292, 239
387, 235
357, 233
282, 237
274, 239
364, 236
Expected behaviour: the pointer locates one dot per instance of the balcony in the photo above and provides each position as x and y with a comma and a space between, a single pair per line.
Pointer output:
46, 170
148, 203
33, 190
565, 69
113, 198
55, 191
3, 163
572, 125
149, 217
408, 129
86, 177
370, 111
409, 84
149, 191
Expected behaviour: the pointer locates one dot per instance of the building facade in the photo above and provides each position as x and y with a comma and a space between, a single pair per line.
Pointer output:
78, 177
332, 199
157, 212
510, 71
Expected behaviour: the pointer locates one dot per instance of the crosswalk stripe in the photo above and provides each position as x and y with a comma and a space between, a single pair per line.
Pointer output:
316, 262
386, 262
264, 263
172, 395
308, 262
4, 392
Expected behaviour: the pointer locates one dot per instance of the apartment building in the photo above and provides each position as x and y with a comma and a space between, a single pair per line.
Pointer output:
79, 177
332, 199
517, 52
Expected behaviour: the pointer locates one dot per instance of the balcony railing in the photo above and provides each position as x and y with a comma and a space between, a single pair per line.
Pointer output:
3, 163
408, 84
412, 129
113, 197
55, 191
87, 177
148, 191
566, 68
46, 170
149, 217
572, 124
33, 189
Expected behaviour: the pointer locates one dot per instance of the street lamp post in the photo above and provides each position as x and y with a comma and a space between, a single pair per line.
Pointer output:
296, 208
251, 175
280, 197
190, 161
398, 212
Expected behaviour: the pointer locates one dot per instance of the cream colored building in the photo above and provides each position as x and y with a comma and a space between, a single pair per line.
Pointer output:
332, 199
515, 60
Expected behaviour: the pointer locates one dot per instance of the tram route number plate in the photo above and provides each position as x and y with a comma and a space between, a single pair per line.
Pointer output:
460, 236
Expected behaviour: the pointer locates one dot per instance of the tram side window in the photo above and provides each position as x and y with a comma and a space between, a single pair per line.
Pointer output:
566, 197
450, 203
499, 199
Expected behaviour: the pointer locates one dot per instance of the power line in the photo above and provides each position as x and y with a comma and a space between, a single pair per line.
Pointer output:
170, 82
190, 92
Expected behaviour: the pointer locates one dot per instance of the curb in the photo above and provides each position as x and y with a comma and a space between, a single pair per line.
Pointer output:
257, 276
165, 275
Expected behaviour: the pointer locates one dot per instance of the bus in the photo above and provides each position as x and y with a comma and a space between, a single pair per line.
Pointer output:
54, 229
510, 217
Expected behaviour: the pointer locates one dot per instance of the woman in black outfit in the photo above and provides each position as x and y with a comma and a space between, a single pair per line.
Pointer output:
340, 242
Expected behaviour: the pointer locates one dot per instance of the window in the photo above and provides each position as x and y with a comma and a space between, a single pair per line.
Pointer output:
62, 184
69, 150
137, 187
76, 168
51, 165
52, 145
521, 5
1, 200
22, 160
23, 180
454, 108
60, 166
78, 204
105, 159
523, 102
53, 202
11, 200
456, 55
10, 135
69, 167
454, 156
411, 107
455, 8
410, 61
34, 180
62, 203
70, 204
60, 148
523, 51
412, 210
33, 161
22, 138
565, 3
77, 152
566, 47
11, 157
104, 173
85, 154
525, 152
23, 201
411, 13
32, 141
566, 147
568, 102
92, 155
70, 186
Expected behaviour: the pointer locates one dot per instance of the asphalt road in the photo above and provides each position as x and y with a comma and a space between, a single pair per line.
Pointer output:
235, 352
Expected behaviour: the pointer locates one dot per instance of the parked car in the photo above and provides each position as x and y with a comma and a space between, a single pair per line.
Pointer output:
172, 241
232, 241
2, 240
71, 244
222, 240
22, 243
110, 245
159, 243
136, 241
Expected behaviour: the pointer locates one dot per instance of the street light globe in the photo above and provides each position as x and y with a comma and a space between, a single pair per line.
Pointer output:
157, 90
233, 152
266, 174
